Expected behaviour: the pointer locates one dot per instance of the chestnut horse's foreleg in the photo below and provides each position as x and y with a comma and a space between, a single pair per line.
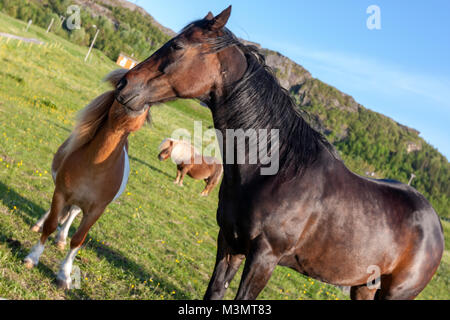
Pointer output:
259, 265
50, 224
227, 264
63, 278
61, 237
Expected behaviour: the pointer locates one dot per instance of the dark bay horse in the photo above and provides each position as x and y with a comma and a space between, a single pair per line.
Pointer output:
189, 161
314, 215
90, 170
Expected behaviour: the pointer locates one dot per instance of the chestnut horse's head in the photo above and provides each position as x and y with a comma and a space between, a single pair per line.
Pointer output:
197, 63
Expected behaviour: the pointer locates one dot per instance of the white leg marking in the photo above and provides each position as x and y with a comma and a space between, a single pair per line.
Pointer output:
64, 231
38, 226
63, 278
32, 259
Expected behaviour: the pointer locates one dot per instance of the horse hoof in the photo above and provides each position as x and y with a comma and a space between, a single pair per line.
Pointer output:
36, 228
61, 245
63, 284
28, 263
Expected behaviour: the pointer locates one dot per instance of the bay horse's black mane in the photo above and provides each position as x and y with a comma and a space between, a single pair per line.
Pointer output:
258, 101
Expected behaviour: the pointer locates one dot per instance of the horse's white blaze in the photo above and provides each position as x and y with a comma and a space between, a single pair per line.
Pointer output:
126, 174
64, 231
66, 266
35, 253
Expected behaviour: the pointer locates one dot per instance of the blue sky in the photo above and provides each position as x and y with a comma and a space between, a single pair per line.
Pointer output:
401, 70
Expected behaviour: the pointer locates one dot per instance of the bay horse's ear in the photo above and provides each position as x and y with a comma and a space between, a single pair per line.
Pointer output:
221, 19
209, 16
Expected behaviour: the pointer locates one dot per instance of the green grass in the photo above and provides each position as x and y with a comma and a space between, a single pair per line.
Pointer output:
158, 241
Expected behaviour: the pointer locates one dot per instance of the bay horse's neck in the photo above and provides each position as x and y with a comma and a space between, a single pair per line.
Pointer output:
257, 101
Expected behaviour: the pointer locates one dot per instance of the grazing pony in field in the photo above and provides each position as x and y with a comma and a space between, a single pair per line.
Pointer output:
314, 215
190, 162
89, 170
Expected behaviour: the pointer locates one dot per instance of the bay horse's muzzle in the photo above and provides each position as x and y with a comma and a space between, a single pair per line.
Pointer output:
130, 96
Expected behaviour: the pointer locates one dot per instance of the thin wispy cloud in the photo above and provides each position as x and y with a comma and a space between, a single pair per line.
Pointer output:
371, 74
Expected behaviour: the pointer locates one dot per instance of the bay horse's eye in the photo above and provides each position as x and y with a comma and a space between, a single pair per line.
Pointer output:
176, 46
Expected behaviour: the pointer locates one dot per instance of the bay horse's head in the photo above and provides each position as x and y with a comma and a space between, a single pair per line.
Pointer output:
197, 63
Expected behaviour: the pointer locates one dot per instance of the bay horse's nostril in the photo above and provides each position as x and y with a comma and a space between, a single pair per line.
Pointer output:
122, 84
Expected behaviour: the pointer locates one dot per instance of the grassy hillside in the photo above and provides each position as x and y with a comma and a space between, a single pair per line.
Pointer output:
369, 142
157, 241
121, 29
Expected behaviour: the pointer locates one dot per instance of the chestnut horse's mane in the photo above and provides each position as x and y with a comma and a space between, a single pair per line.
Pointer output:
92, 117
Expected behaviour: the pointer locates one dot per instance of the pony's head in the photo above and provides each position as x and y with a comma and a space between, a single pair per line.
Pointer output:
197, 63
180, 151
165, 149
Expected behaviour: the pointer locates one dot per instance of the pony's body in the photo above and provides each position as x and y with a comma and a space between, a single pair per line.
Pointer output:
190, 162
314, 215
90, 170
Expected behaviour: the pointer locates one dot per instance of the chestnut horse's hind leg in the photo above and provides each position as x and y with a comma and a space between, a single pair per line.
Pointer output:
206, 191
50, 224
260, 263
61, 237
362, 292
40, 223
227, 264
212, 181
63, 278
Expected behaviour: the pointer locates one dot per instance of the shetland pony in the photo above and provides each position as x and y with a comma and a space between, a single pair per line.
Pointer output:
314, 215
90, 170
190, 162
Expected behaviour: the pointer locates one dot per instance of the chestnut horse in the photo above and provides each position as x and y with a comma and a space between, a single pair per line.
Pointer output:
314, 215
89, 170
190, 162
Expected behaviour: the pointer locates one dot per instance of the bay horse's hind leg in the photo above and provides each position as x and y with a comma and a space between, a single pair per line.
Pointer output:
260, 263
362, 292
50, 224
61, 237
405, 284
63, 278
227, 264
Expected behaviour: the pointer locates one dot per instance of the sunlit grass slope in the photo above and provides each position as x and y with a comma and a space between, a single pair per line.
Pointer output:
158, 240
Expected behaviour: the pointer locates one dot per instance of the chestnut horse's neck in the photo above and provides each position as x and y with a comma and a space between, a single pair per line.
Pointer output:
111, 138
